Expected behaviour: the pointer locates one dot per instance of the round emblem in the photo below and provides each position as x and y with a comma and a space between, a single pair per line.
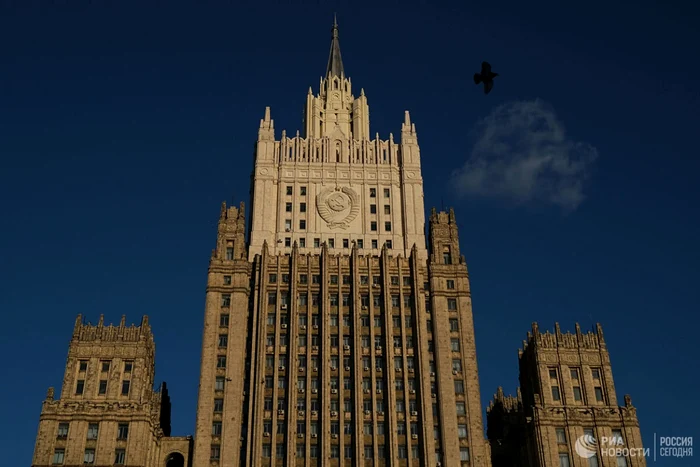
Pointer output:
338, 206
338, 201
263, 171
410, 174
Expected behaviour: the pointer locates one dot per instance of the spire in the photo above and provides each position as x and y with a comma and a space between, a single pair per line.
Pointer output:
335, 63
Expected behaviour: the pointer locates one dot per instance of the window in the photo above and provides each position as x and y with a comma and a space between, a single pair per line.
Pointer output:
369, 452
372, 192
372, 208
386, 192
302, 242
223, 320
221, 361
595, 372
464, 454
450, 284
62, 431
119, 457
621, 461
288, 207
561, 436
389, 245
219, 384
80, 387
462, 431
126, 384
374, 244
457, 365
102, 390
215, 452
452, 304
598, 394
373, 226
302, 190
317, 242
334, 279
83, 366
229, 252
454, 325
461, 408
346, 243
123, 431
58, 456
289, 191
313, 451
459, 386
225, 302
593, 461
92, 430
577, 393
555, 393
564, 460
617, 436
387, 226
89, 456
218, 405
223, 340
360, 243
387, 209
454, 345
302, 207
302, 224
331, 243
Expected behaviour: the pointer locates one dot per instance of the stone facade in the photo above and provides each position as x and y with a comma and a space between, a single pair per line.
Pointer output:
566, 411
108, 412
336, 333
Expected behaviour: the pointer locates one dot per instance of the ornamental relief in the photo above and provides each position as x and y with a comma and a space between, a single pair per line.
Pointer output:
338, 206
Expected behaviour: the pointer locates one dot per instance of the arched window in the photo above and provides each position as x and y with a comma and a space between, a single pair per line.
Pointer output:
337, 151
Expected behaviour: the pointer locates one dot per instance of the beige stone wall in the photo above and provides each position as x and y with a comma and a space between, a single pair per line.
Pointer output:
567, 387
110, 354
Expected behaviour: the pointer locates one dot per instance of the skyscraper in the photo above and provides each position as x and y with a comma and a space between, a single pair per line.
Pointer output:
359, 340
335, 332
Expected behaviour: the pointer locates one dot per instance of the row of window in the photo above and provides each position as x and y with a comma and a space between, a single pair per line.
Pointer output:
346, 278
105, 365
59, 456
334, 320
331, 241
102, 387
302, 191
376, 300
576, 383
93, 430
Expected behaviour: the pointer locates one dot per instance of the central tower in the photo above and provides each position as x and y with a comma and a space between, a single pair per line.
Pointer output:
336, 335
334, 184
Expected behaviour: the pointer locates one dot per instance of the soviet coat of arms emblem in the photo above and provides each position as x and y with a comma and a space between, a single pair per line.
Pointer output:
338, 206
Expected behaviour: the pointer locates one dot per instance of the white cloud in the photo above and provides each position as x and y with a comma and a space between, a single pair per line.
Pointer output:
522, 155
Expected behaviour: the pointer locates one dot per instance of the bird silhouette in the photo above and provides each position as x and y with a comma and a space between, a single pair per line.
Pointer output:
486, 76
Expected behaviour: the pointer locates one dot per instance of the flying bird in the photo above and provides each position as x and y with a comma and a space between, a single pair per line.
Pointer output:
486, 76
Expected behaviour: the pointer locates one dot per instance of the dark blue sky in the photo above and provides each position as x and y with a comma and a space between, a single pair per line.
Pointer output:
123, 128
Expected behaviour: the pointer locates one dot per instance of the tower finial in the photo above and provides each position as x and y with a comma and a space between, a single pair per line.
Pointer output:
335, 63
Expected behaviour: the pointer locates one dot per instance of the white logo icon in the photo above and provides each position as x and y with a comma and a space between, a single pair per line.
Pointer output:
586, 446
